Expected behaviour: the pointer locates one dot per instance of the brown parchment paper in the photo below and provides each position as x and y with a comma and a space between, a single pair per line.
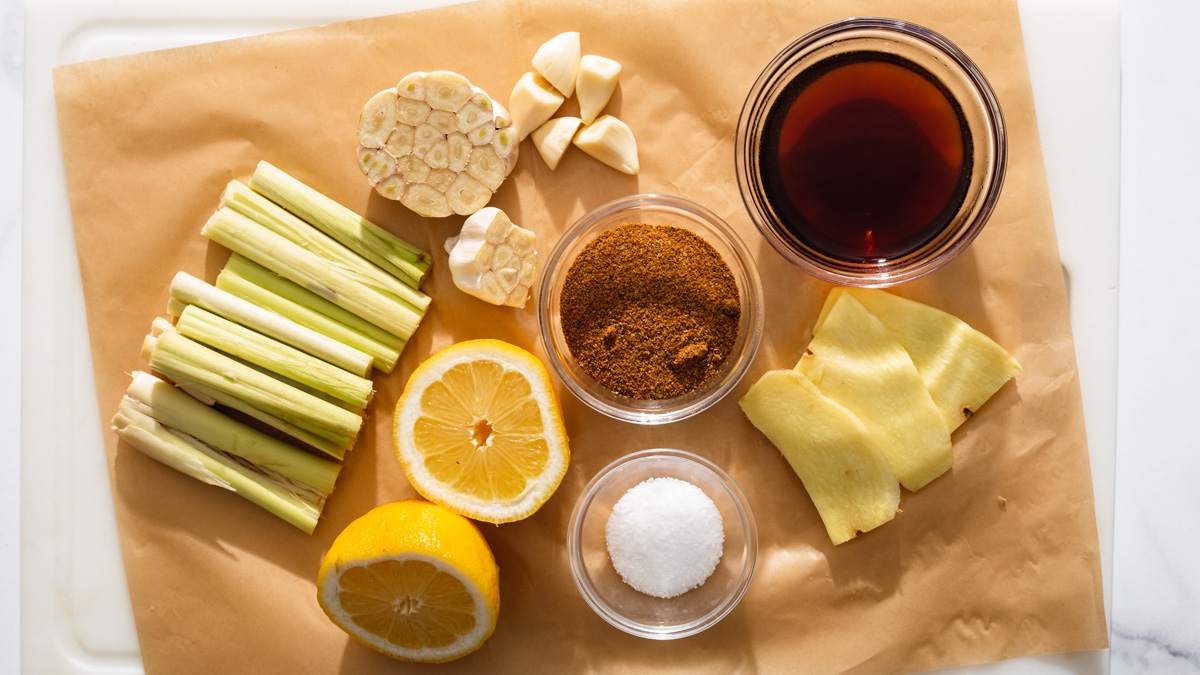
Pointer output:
997, 559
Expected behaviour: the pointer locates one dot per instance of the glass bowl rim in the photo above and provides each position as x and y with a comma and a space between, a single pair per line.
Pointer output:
575, 546
994, 123
555, 268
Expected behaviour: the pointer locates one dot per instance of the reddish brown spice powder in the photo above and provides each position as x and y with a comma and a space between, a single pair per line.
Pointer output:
650, 311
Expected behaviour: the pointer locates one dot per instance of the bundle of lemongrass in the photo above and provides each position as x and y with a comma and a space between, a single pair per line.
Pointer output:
313, 298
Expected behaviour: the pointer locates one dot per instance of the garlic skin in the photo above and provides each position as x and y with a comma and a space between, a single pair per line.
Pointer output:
493, 259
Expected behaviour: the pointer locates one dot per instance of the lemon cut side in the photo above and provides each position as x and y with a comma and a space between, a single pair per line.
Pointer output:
413, 581
479, 431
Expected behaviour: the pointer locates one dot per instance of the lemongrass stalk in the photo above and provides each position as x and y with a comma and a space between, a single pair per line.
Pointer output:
189, 290
258, 208
190, 363
175, 409
242, 235
207, 328
394, 255
206, 465
334, 449
260, 286
306, 389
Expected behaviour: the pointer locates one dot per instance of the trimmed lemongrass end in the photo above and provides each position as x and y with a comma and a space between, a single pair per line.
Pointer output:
189, 290
260, 286
176, 409
191, 363
394, 255
175, 306
242, 235
245, 201
206, 465
207, 328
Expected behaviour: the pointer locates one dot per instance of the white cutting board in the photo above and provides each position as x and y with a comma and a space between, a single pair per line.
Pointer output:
75, 613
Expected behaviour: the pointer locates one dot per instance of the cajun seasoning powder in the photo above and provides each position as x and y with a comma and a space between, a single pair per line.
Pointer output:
650, 311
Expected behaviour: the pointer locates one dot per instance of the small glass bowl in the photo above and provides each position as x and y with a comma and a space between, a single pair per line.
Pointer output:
637, 613
941, 59
650, 209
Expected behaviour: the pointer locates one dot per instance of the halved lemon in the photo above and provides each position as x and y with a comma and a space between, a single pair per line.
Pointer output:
413, 581
479, 431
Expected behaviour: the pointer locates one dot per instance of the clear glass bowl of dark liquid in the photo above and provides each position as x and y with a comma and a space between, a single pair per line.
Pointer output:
870, 152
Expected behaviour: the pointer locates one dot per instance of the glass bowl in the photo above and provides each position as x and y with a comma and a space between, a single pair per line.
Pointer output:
948, 67
637, 613
652, 210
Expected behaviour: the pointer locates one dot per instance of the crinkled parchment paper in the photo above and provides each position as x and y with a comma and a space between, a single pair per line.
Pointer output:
997, 559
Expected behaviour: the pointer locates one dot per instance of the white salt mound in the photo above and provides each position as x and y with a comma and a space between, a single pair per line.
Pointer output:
665, 537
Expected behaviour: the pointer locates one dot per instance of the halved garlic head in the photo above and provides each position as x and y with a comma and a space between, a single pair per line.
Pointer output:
493, 259
436, 143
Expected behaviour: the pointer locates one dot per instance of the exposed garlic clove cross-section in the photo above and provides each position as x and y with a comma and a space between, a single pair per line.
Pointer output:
558, 62
493, 259
378, 119
611, 141
595, 85
436, 143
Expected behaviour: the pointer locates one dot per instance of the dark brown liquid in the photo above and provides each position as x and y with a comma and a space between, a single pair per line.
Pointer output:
865, 157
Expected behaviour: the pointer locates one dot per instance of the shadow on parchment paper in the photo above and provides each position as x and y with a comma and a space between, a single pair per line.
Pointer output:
427, 234
215, 257
181, 499
792, 299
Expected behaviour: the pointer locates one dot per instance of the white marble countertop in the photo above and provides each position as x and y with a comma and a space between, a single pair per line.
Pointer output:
1155, 589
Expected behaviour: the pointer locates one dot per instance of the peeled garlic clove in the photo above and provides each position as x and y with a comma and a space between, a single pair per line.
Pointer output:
486, 259
532, 102
552, 138
611, 141
558, 61
595, 85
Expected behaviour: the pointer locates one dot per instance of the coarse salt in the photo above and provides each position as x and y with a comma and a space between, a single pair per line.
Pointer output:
665, 537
